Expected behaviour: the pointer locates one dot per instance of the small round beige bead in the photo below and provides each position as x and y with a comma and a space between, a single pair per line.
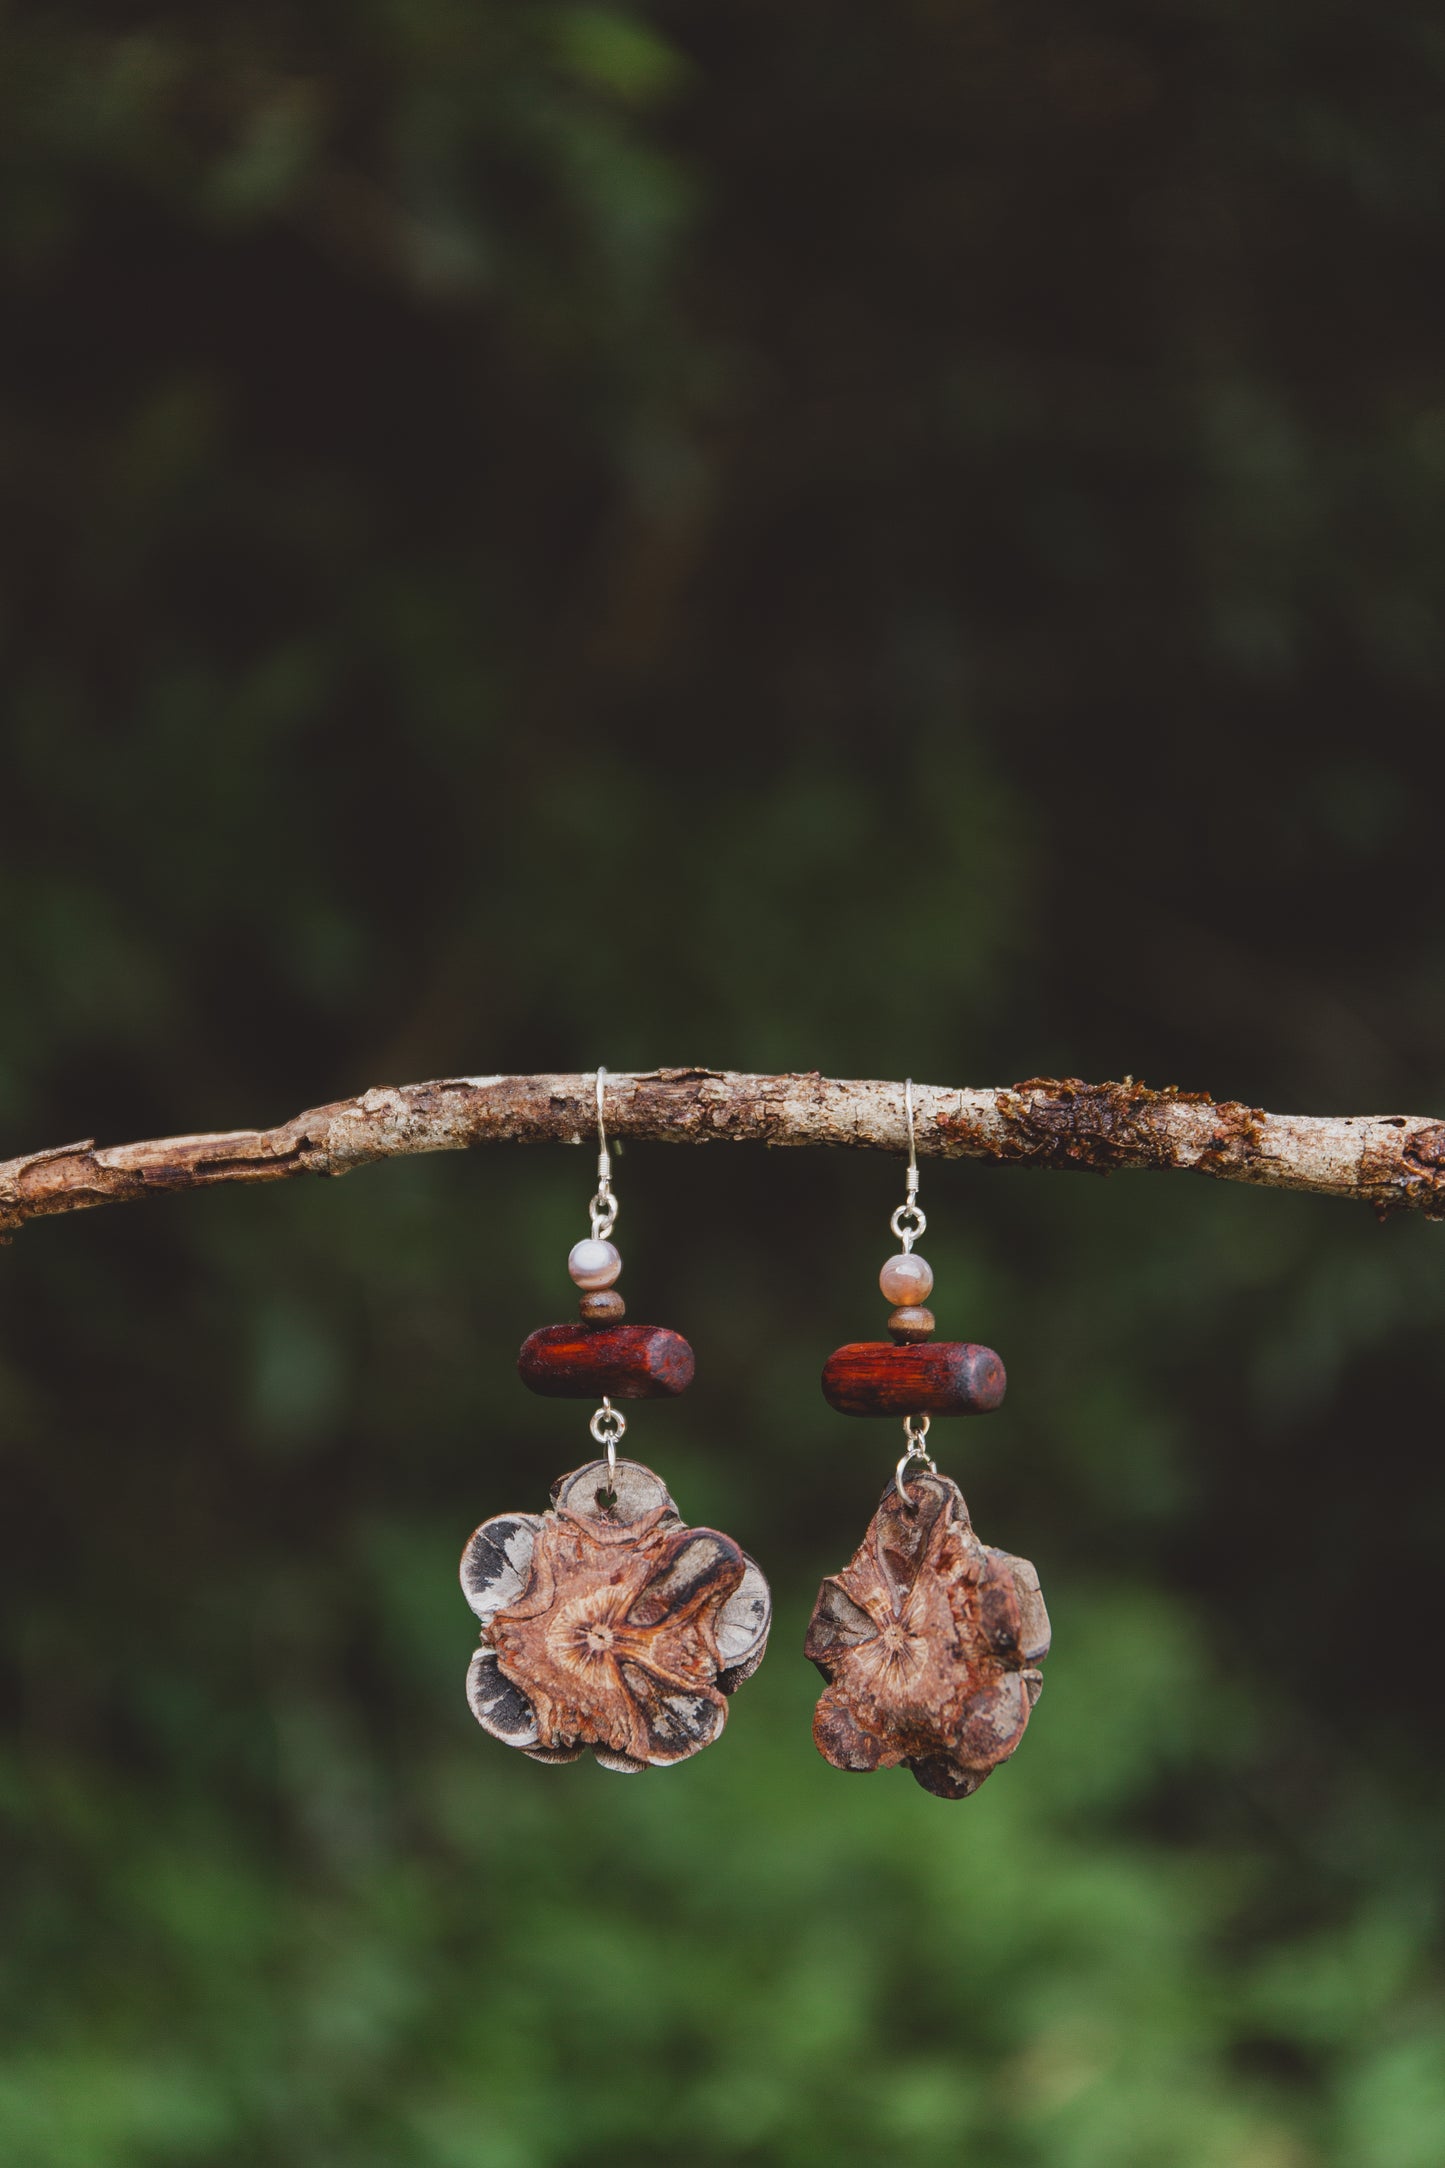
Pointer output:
907, 1279
594, 1264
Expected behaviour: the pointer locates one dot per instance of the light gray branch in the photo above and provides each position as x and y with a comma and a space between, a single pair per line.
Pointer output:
1393, 1162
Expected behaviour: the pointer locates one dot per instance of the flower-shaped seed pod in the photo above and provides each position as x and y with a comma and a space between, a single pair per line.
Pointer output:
928, 1640
610, 1625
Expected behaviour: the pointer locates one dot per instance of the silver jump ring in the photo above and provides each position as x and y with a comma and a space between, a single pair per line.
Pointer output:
608, 1422
908, 1223
915, 1430
608, 1427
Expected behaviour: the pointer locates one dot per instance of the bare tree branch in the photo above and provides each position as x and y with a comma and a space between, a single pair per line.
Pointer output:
1392, 1161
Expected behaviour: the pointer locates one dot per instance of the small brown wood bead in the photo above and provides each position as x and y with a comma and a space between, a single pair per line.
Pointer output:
938, 1377
911, 1321
604, 1306
626, 1362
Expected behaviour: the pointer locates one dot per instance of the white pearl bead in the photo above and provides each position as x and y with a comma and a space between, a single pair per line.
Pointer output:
593, 1264
906, 1279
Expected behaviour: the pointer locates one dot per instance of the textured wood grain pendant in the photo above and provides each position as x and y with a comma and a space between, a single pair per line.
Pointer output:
607, 1623
929, 1640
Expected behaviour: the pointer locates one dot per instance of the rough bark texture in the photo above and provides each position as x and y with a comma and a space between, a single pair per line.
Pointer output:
1394, 1162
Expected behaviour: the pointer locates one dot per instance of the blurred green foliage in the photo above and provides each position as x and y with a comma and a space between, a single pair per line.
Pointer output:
878, 540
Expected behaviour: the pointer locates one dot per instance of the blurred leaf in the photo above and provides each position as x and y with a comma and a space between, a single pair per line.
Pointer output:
616, 52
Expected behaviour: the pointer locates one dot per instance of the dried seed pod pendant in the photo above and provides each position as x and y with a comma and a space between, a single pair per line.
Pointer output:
606, 1622
930, 1641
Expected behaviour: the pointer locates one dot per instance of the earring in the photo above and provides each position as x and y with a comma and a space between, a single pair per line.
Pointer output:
607, 1623
929, 1640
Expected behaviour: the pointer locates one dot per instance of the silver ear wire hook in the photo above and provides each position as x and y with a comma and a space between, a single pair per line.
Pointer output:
604, 1207
908, 1222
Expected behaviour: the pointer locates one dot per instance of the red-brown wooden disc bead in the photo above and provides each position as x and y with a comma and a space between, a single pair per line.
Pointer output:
625, 1362
934, 1377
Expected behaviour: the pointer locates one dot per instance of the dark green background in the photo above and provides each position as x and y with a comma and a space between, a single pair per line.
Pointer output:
876, 539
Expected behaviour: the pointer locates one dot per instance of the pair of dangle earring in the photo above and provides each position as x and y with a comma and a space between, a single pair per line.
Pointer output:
607, 1623
929, 1640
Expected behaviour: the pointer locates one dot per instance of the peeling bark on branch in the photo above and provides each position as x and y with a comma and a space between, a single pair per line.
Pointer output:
1394, 1162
